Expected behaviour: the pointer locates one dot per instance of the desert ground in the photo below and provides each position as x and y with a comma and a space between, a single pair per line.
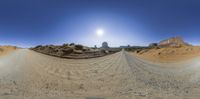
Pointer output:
26, 74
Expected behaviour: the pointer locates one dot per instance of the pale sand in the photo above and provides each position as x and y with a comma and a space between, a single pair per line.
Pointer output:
25, 74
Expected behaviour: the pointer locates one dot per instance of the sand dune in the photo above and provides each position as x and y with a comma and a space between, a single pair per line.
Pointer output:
26, 74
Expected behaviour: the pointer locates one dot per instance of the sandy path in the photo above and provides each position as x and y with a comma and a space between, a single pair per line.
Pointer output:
28, 74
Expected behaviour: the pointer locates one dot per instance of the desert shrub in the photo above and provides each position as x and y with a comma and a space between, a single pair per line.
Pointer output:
143, 51
50, 47
38, 46
67, 51
107, 52
65, 44
152, 45
41, 48
71, 44
79, 47
157, 47
103, 51
138, 51
1, 50
84, 50
14, 47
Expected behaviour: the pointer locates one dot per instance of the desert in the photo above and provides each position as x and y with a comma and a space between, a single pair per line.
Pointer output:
29, 74
99, 49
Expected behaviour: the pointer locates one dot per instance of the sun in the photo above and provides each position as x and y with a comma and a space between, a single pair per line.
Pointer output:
100, 32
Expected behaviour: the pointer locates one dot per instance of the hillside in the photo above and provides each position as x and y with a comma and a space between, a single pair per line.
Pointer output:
74, 51
6, 49
169, 54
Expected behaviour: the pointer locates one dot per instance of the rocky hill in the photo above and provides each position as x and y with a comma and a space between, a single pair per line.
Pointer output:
74, 51
174, 41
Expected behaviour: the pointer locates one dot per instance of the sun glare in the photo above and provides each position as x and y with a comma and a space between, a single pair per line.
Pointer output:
99, 32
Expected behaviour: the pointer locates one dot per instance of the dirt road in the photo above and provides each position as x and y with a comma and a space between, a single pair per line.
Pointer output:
25, 74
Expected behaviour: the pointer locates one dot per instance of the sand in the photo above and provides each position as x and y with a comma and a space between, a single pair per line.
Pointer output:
26, 74
170, 54
6, 49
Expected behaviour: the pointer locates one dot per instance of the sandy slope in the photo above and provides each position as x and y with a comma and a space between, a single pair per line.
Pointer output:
170, 54
28, 74
6, 49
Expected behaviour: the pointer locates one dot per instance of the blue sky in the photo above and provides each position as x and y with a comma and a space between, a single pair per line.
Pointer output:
136, 22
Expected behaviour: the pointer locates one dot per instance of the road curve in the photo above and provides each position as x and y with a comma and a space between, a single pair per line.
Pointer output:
25, 74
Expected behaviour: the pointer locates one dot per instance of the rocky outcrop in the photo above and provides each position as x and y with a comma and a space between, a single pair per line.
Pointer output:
174, 41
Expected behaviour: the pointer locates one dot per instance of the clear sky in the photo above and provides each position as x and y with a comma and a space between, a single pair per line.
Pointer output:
135, 22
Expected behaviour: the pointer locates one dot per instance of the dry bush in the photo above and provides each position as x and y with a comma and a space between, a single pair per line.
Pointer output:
65, 44
79, 47
143, 51
1, 50
67, 51
39, 46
